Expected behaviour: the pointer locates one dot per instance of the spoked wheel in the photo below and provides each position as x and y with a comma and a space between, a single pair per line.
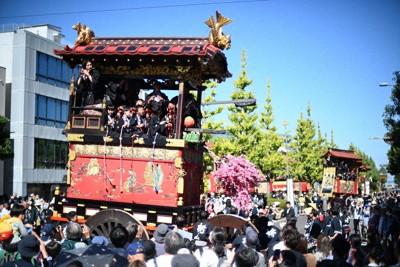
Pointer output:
104, 221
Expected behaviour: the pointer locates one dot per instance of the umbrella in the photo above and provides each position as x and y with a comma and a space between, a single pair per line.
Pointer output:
91, 256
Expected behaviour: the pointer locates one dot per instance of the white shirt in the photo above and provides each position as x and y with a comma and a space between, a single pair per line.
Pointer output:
164, 260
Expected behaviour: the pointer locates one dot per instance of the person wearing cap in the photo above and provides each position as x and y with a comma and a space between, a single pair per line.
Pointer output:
149, 249
100, 241
253, 242
159, 238
29, 248
47, 231
135, 251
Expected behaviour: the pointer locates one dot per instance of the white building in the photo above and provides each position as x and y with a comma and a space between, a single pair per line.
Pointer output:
35, 98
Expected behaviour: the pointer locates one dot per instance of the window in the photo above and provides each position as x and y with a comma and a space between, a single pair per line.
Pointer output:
54, 71
50, 154
51, 112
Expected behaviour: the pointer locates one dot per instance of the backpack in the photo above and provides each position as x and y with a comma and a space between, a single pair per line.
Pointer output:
6, 230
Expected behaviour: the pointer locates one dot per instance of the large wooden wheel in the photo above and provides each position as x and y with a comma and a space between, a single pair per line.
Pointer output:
233, 224
104, 221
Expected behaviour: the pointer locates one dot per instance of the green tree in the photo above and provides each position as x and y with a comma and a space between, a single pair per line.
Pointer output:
265, 154
373, 173
6, 150
305, 154
243, 120
392, 123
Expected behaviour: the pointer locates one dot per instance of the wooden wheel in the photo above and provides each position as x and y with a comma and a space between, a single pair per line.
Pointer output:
233, 224
104, 221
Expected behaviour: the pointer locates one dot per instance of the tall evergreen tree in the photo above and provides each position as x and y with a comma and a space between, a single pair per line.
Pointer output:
265, 155
243, 119
392, 123
373, 173
306, 162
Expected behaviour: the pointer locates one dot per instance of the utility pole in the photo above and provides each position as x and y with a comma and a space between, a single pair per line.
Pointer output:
289, 180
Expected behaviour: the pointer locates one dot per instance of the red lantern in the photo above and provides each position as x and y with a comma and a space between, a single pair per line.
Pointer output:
189, 122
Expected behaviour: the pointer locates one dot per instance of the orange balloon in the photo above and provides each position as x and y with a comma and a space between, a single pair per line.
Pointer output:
188, 122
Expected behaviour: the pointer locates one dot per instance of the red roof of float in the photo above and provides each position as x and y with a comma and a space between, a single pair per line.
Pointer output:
341, 154
167, 46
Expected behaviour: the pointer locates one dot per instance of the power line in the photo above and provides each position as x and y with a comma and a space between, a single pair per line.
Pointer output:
132, 8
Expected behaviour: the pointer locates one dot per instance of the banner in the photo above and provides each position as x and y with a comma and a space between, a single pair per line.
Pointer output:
328, 181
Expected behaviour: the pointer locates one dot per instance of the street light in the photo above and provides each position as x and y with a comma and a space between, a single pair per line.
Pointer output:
238, 102
386, 84
289, 180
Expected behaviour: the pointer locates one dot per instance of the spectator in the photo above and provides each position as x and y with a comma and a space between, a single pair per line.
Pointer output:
132, 229
71, 217
202, 228
302, 247
19, 229
253, 243
149, 249
135, 251
324, 248
173, 242
340, 251
217, 253
185, 260
53, 248
245, 257
119, 238
159, 238
100, 241
180, 227
76, 237
28, 248
356, 255
47, 232
289, 211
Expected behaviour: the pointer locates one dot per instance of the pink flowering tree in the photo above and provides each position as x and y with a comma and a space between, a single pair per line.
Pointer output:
236, 175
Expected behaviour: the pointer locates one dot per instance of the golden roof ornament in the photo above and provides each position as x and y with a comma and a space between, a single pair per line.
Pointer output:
217, 37
85, 34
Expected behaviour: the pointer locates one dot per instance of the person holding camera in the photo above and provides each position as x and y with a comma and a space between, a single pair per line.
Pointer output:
87, 84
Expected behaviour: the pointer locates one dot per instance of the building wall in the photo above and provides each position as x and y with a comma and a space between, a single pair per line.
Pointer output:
18, 53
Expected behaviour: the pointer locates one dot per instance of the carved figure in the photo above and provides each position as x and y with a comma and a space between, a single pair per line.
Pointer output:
85, 34
217, 37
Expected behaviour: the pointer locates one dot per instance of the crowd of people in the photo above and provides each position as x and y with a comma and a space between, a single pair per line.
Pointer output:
327, 238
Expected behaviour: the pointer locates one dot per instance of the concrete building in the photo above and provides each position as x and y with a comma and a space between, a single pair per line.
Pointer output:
35, 99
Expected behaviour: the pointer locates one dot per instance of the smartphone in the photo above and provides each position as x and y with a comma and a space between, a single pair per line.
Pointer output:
277, 253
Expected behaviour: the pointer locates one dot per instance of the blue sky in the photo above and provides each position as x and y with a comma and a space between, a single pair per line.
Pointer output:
330, 54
